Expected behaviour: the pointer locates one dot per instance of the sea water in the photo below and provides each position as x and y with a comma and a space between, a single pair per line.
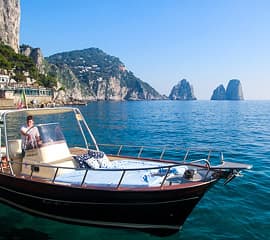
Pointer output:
241, 129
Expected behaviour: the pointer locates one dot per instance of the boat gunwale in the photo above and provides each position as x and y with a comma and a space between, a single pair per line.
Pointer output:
188, 184
169, 188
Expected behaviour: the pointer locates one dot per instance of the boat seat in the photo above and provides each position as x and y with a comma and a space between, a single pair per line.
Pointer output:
15, 149
15, 154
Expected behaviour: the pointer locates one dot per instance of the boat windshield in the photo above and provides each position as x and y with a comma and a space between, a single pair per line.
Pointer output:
54, 125
50, 132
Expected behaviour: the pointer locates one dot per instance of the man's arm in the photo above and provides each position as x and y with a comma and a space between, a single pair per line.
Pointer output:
23, 131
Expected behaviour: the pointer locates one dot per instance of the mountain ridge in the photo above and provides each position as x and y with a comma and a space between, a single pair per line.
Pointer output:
102, 76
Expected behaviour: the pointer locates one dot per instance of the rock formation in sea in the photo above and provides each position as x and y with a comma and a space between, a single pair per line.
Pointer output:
182, 91
10, 23
233, 91
219, 93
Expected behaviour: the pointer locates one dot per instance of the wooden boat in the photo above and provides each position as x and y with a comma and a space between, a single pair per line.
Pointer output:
69, 177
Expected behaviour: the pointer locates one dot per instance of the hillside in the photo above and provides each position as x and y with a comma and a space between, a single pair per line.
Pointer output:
98, 76
22, 68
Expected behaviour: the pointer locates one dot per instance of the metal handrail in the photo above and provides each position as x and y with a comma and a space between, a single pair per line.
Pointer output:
140, 152
119, 150
84, 177
203, 160
124, 171
162, 153
163, 149
55, 175
121, 179
165, 177
187, 160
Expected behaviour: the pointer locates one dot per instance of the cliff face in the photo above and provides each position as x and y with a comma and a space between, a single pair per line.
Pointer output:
36, 55
182, 91
99, 76
10, 23
233, 91
219, 93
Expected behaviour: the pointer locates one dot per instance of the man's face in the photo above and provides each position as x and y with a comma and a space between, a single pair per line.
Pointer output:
30, 123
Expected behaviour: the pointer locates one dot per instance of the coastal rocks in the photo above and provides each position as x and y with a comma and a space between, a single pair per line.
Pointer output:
219, 93
233, 91
68, 86
182, 91
10, 23
113, 89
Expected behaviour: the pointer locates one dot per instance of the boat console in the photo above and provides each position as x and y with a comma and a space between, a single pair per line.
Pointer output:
52, 150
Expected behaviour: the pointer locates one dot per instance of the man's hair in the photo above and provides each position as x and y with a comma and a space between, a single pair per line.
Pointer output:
29, 118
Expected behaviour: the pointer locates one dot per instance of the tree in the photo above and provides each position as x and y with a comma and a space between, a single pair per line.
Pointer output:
21, 64
47, 81
4, 63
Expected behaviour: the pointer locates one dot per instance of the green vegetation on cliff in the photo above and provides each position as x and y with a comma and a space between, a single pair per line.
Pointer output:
19, 65
10, 60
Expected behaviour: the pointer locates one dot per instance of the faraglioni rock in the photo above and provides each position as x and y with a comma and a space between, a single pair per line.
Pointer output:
182, 91
10, 23
219, 93
233, 91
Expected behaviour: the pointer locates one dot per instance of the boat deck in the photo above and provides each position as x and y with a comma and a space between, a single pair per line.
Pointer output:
118, 172
124, 173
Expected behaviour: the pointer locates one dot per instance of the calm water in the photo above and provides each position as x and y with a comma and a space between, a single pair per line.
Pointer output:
239, 210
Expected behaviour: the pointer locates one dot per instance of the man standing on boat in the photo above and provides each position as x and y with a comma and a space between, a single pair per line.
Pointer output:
30, 134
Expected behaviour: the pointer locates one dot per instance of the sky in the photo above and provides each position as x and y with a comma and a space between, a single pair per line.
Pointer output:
207, 42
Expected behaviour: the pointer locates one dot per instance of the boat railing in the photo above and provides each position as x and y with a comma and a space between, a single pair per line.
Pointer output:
54, 178
178, 154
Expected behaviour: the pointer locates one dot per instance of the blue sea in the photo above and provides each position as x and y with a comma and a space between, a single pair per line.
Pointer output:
241, 129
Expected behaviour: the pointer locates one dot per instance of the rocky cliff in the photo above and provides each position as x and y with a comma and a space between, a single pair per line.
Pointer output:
219, 93
99, 76
233, 91
36, 55
182, 91
10, 23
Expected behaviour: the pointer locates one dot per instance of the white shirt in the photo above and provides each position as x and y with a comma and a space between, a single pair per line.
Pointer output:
29, 141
